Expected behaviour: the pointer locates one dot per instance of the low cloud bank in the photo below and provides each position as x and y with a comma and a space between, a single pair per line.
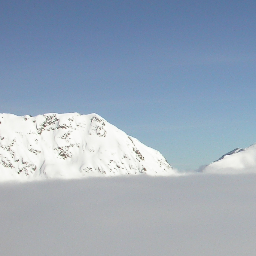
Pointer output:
187, 215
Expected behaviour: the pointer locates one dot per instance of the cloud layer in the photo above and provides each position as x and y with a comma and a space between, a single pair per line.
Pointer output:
188, 215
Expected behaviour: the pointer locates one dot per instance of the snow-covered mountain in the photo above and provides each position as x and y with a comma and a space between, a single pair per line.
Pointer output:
236, 161
71, 146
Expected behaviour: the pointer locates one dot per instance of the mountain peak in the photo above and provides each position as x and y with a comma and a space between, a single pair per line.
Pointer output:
72, 145
234, 151
236, 161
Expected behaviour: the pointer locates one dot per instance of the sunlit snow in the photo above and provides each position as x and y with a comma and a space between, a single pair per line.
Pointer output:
72, 146
237, 161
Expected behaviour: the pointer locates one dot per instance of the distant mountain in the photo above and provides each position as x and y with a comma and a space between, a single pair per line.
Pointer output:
234, 151
236, 161
72, 146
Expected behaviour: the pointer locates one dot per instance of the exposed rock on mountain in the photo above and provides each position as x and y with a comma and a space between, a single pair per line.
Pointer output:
236, 161
71, 146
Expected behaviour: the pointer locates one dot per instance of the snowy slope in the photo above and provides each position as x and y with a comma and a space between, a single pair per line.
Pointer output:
71, 146
236, 161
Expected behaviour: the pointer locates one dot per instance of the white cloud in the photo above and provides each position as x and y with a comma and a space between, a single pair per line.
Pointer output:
189, 215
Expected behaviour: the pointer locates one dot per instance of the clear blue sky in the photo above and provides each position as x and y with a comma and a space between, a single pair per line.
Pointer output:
178, 75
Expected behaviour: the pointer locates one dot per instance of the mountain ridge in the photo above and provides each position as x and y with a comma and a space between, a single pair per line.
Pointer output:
72, 145
234, 162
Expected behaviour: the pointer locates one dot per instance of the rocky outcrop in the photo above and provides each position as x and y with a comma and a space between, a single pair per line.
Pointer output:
72, 146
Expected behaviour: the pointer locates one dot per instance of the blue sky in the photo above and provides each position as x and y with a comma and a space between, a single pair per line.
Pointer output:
177, 75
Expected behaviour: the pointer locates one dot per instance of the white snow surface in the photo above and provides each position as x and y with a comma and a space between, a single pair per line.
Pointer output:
238, 161
71, 146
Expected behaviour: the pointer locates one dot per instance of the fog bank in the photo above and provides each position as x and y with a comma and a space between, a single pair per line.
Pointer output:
189, 215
